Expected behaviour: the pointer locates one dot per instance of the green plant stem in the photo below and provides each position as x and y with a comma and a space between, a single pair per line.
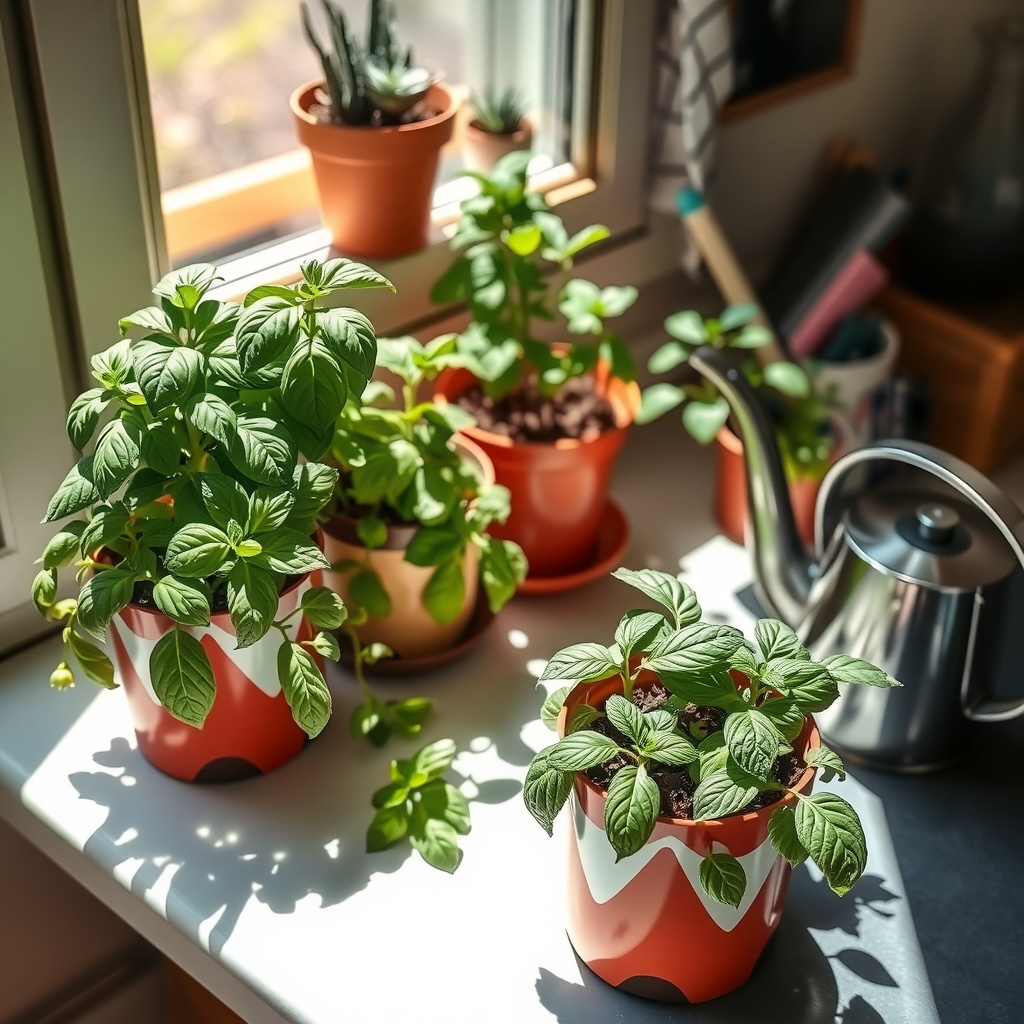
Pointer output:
357, 662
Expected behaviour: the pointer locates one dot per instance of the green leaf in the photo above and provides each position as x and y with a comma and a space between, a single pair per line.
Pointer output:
745, 661
753, 742
695, 649
252, 601
268, 510
313, 486
366, 591
166, 372
441, 800
782, 833
666, 590
410, 714
722, 793
581, 663
711, 687
657, 400
829, 760
102, 596
583, 239
326, 645
582, 716
777, 640
94, 663
63, 547
754, 336
107, 523
389, 825
161, 448
313, 388
263, 450
76, 492
667, 358
502, 569
627, 718
152, 319
444, 596
788, 378
687, 327
631, 810
225, 499
196, 278
582, 750
113, 367
213, 416
829, 829
737, 316
433, 546
722, 877
117, 454
44, 590
546, 789
669, 747
552, 706
434, 840
324, 608
351, 340
703, 420
83, 416
844, 669
637, 630
432, 761
393, 794
785, 714
183, 600
807, 683
287, 551
182, 677
266, 330
304, 688
197, 550
524, 239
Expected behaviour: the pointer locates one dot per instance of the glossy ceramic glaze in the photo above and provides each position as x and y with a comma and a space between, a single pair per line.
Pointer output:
644, 924
376, 185
250, 728
559, 489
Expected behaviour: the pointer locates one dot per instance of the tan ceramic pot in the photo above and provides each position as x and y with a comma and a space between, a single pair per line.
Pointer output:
408, 629
482, 149
375, 184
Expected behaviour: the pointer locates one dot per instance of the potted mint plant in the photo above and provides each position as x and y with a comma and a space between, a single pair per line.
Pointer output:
192, 522
683, 736
374, 126
809, 436
551, 418
498, 127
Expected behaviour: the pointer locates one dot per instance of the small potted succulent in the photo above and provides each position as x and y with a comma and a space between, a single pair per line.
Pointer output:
498, 127
408, 531
551, 418
809, 436
194, 523
683, 738
374, 126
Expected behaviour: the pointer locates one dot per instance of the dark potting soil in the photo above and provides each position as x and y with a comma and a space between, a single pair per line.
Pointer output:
674, 782
524, 415
324, 114
142, 594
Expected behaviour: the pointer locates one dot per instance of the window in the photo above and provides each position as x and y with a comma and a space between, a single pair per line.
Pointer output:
83, 235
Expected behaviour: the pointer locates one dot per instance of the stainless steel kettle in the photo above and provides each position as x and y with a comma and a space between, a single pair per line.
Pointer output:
911, 572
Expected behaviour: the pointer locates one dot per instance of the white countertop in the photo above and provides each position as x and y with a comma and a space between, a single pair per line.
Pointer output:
263, 891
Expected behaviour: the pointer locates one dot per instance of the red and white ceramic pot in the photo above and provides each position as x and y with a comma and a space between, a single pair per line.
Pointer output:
644, 924
249, 730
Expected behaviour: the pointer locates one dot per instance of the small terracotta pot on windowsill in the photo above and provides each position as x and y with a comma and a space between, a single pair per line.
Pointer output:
484, 149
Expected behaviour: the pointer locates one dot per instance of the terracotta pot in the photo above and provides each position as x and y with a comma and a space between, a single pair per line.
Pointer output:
559, 489
644, 924
483, 149
408, 629
376, 185
250, 728
730, 497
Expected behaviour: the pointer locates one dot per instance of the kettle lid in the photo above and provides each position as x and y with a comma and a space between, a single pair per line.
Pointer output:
934, 540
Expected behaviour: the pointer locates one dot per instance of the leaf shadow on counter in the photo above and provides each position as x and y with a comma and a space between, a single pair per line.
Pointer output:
795, 978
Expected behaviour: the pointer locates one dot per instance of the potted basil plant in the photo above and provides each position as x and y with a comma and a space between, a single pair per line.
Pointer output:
408, 532
551, 418
191, 524
809, 436
684, 736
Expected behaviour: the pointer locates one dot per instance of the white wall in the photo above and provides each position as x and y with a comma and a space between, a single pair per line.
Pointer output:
914, 58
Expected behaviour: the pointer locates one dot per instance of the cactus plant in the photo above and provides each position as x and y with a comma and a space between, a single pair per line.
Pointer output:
499, 113
375, 84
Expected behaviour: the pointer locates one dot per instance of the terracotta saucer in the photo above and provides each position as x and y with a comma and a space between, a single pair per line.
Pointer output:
612, 542
478, 625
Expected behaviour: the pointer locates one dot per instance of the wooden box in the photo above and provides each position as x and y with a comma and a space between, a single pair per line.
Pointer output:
972, 362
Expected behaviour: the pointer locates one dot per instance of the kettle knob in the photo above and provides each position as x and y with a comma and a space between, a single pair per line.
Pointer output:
936, 523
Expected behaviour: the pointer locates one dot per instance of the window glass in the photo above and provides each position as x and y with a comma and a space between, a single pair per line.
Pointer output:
221, 71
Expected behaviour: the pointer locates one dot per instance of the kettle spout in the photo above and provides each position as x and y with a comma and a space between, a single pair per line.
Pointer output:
783, 569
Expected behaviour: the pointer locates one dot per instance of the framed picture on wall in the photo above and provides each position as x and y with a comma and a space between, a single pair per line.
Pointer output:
783, 48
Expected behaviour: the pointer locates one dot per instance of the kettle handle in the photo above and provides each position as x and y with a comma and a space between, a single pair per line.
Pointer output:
1005, 514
